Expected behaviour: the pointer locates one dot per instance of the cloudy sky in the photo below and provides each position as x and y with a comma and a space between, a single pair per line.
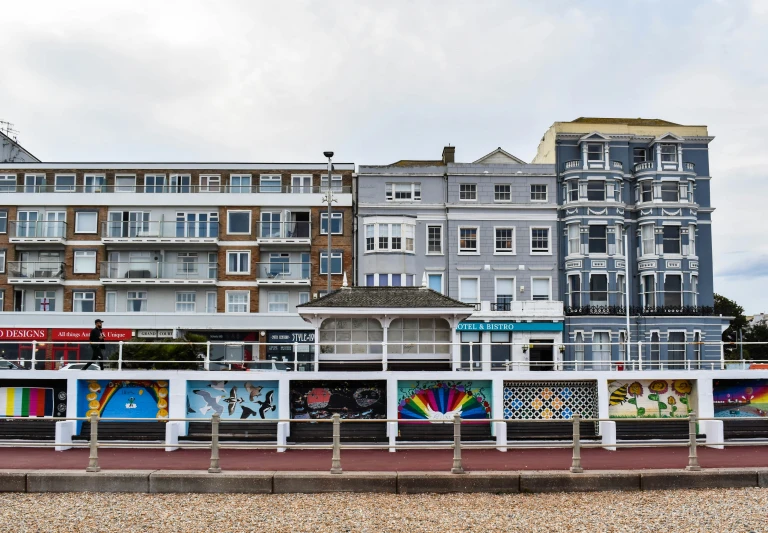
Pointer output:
381, 81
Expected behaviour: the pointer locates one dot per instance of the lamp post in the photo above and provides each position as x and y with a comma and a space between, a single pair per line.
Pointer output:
626, 291
329, 199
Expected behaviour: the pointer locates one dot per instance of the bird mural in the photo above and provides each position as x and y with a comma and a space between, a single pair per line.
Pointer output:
212, 402
254, 391
267, 404
233, 400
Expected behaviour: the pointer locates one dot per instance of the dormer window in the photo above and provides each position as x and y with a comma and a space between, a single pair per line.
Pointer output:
594, 152
669, 153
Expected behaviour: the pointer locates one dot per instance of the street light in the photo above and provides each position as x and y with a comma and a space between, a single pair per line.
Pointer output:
329, 199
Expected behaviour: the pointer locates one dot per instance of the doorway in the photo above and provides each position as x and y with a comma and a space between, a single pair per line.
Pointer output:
542, 354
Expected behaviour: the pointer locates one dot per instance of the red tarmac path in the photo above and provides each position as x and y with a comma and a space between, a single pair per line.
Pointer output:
382, 460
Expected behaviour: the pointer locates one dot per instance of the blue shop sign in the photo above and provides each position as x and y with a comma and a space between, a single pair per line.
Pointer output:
510, 326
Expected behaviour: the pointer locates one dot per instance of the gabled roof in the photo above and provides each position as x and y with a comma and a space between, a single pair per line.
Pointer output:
595, 135
385, 298
627, 121
669, 136
499, 156
8, 144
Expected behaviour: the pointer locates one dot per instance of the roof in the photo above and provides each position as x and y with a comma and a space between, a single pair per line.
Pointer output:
385, 297
7, 144
627, 121
417, 163
499, 156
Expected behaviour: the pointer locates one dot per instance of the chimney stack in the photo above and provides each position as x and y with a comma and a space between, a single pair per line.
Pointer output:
449, 153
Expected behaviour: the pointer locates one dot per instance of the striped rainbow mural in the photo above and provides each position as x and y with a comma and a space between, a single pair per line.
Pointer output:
26, 401
442, 400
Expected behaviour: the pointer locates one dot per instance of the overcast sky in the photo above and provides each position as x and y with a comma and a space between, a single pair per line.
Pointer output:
382, 81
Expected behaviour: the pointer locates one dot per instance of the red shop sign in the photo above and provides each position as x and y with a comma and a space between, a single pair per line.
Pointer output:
23, 334
84, 334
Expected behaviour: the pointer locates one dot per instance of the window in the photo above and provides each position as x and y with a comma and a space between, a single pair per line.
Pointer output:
2, 261
369, 280
179, 183
502, 193
668, 153
598, 239
648, 234
689, 191
646, 191
45, 301
137, 301
540, 241
540, 288
64, 183
435, 282
239, 262
383, 236
538, 193
417, 335
337, 222
270, 184
670, 191
7, 182
185, 302
335, 183
278, 302
673, 290
237, 301
85, 262
676, 350
125, 183
598, 289
83, 301
574, 239
336, 263
578, 350
86, 222
694, 291
467, 191
338, 334
370, 243
34, 183
638, 155
402, 192
3, 221
383, 280
620, 290
409, 231
622, 345
697, 349
601, 347
210, 301
649, 290
187, 263
468, 240
505, 241
594, 152
435, 240
655, 349
2, 300
573, 191
301, 184
303, 297
469, 290
111, 302
596, 191
239, 183
619, 239
210, 183
671, 239
238, 222
94, 183
692, 239
574, 288
154, 183
505, 293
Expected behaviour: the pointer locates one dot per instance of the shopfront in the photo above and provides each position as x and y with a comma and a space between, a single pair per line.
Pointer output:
74, 349
17, 344
291, 349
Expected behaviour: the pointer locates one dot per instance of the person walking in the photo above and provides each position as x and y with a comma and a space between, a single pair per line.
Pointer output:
97, 344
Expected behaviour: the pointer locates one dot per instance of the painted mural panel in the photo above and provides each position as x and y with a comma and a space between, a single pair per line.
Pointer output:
122, 399
33, 398
232, 399
658, 398
441, 400
737, 398
549, 400
350, 399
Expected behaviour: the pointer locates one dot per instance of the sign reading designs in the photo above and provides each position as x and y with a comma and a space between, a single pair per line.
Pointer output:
510, 326
122, 399
232, 399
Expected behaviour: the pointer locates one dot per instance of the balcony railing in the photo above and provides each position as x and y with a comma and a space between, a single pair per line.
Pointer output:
38, 230
284, 230
644, 165
576, 163
36, 270
617, 164
280, 272
147, 271
618, 310
152, 229
689, 167
175, 189
533, 308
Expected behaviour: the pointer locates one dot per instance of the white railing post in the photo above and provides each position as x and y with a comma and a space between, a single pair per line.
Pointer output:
207, 361
457, 468
722, 355
34, 355
295, 356
576, 459
336, 455
384, 356
639, 355
120, 355
471, 356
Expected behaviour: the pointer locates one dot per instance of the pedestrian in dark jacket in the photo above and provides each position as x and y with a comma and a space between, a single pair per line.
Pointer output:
97, 344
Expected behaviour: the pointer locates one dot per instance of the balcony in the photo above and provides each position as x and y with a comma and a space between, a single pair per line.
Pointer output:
644, 165
173, 189
278, 273
618, 310
35, 272
297, 232
157, 273
152, 231
573, 165
37, 231
527, 309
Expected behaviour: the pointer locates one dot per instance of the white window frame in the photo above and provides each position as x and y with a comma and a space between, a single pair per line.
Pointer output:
496, 192
336, 182
44, 296
682, 287
193, 302
442, 280
496, 287
239, 252
673, 153
695, 290
692, 240
390, 191
286, 303
600, 151
472, 189
329, 264
238, 189
477, 285
67, 188
125, 188
569, 297
303, 187
549, 289
619, 239
589, 240
75, 300
210, 182
8, 182
128, 299
607, 287
644, 289
229, 304
697, 344
549, 240
334, 216
468, 251
496, 251
215, 301
2, 261
110, 306
546, 192
304, 297
163, 186
250, 222
577, 227
601, 361
679, 240
96, 185
83, 254
96, 222
271, 180
426, 232
644, 242
579, 346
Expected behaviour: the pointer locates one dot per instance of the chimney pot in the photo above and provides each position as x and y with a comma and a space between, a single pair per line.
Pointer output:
449, 153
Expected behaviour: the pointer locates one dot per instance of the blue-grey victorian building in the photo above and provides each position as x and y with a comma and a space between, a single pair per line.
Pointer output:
648, 179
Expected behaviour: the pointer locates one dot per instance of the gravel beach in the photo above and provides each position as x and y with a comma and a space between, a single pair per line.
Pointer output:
689, 511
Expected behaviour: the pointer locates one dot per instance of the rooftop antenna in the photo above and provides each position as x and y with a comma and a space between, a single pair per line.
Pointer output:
7, 129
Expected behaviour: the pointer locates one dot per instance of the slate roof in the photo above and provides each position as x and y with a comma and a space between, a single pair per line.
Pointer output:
385, 297
417, 163
627, 121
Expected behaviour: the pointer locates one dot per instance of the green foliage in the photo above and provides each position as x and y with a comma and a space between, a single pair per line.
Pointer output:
726, 307
153, 353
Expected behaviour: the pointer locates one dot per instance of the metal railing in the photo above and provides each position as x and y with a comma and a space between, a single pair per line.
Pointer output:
155, 229
283, 271
38, 229
284, 230
36, 269
117, 270
176, 189
662, 310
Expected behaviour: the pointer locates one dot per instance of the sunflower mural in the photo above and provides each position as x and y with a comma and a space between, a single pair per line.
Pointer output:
123, 399
656, 398
442, 400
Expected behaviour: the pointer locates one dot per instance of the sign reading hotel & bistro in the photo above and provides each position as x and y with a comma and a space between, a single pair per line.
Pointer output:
510, 326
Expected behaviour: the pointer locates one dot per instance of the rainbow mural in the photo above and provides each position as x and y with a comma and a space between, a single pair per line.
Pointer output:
441, 400
739, 398
26, 401
123, 399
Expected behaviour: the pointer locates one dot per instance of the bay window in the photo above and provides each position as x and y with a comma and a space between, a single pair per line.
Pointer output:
574, 239
649, 290
673, 290
598, 290
598, 239
671, 240
668, 153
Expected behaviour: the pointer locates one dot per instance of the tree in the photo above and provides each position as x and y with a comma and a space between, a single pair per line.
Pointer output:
153, 354
726, 307
757, 333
